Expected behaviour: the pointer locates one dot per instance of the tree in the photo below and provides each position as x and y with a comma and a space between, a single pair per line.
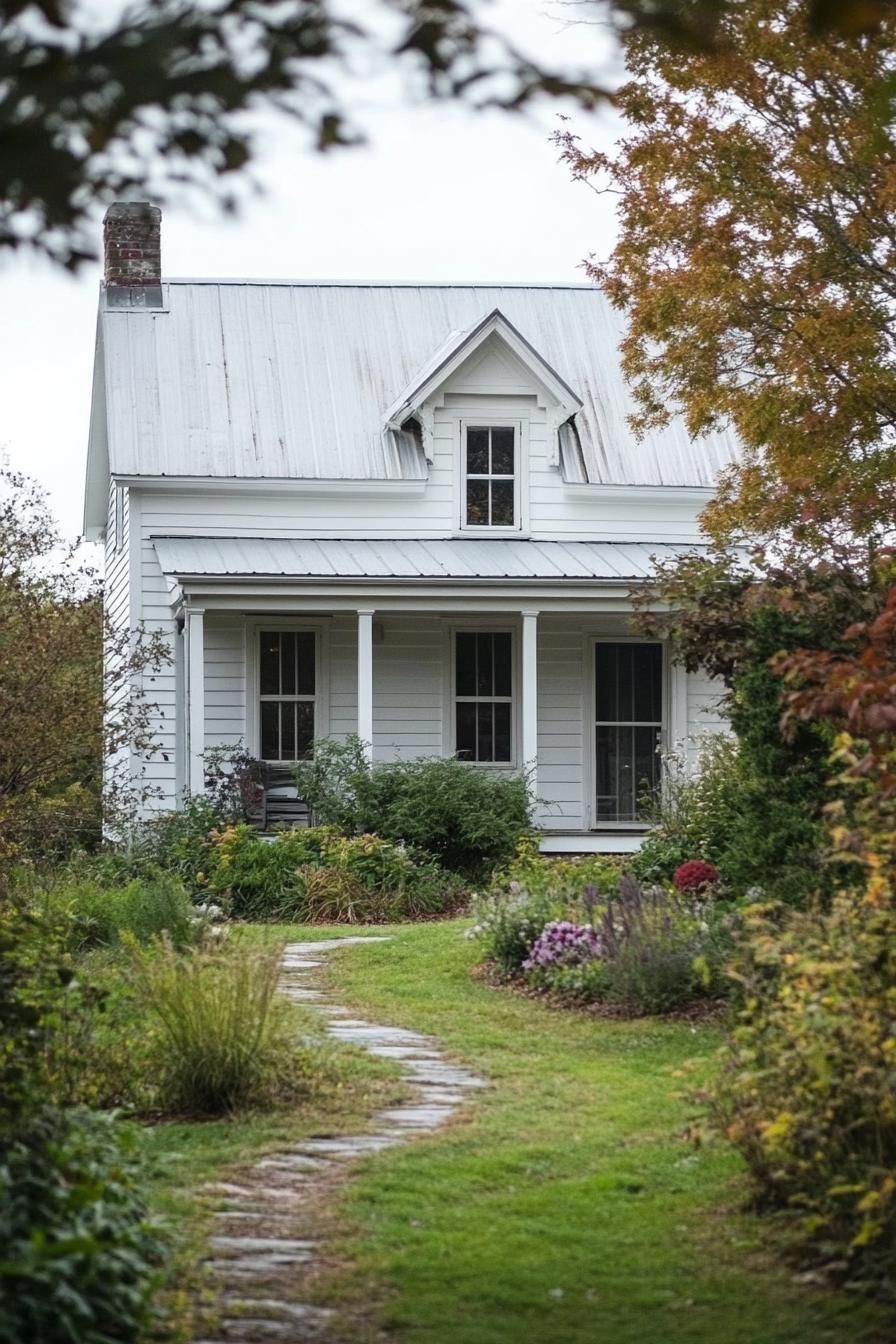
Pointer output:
155, 98
757, 260
61, 716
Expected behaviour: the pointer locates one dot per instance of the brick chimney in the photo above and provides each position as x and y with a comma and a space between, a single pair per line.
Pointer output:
132, 250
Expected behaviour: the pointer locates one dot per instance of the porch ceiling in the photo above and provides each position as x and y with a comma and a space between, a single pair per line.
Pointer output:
456, 560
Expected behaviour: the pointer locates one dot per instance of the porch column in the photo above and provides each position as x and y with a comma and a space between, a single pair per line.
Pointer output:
194, 617
365, 680
530, 699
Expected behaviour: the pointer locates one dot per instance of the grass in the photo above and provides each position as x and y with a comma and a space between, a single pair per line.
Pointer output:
344, 1087
565, 1205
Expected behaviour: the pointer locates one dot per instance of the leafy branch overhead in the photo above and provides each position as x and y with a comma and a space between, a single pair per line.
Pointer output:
155, 100
756, 260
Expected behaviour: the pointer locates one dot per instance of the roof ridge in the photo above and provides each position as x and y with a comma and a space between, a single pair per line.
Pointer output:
379, 284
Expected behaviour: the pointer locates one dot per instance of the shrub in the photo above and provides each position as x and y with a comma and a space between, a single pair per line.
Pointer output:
369, 878
258, 878
468, 819
695, 875
143, 908
808, 1091
563, 879
333, 896
402, 881
691, 814
509, 921
79, 1257
177, 841
658, 951
226, 1041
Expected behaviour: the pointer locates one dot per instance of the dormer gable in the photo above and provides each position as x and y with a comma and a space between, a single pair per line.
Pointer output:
491, 358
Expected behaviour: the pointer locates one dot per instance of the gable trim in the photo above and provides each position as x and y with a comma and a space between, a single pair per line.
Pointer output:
459, 347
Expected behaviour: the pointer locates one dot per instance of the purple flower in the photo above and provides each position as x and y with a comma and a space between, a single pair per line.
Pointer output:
562, 943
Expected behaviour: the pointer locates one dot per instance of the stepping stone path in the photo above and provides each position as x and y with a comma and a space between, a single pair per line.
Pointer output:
263, 1243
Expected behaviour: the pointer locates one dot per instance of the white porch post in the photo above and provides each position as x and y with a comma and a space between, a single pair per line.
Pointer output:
530, 699
194, 617
365, 680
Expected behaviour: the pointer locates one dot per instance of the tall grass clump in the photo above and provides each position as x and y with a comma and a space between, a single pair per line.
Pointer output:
226, 1042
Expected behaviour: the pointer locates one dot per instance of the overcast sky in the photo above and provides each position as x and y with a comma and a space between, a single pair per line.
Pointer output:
437, 194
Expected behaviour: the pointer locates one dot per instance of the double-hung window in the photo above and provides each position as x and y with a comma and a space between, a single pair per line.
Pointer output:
628, 728
490, 484
483, 696
287, 680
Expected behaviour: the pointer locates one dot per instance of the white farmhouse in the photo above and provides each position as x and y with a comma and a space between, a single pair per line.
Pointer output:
408, 511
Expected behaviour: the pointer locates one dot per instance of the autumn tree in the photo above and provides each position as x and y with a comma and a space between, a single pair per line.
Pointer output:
61, 715
756, 260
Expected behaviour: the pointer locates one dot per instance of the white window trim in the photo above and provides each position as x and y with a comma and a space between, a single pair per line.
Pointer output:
520, 479
321, 631
483, 626
589, 774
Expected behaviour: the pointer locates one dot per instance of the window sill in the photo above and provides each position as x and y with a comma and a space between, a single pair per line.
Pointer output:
492, 533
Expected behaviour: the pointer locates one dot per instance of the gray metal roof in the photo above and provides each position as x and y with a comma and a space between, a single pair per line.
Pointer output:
458, 559
293, 380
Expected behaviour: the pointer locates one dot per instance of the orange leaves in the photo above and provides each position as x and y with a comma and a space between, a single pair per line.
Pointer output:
757, 260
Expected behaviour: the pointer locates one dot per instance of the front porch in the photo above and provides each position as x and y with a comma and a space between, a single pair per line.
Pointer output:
506, 689
513, 655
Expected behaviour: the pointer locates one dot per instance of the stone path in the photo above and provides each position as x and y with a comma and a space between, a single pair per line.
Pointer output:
264, 1240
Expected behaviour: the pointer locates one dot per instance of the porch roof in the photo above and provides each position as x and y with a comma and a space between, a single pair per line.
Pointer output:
457, 559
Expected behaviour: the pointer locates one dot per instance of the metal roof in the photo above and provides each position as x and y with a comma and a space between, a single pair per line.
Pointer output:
293, 380
458, 559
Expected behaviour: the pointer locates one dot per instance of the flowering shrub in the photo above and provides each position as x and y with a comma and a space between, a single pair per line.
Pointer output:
562, 943
508, 923
695, 875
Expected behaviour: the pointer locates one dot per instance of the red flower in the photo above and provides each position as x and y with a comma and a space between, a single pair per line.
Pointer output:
694, 874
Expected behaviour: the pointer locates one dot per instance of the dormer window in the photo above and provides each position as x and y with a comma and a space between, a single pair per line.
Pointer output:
490, 476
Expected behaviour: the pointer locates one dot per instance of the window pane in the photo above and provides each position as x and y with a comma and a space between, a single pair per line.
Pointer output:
502, 451
288, 731
465, 731
477, 503
503, 674
646, 764
607, 674
269, 672
502, 503
606, 770
627, 783
477, 452
625, 702
502, 732
304, 729
287, 663
465, 664
648, 673
484, 673
484, 747
305, 661
270, 730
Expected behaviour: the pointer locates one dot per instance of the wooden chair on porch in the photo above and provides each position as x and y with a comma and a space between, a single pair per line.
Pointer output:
278, 803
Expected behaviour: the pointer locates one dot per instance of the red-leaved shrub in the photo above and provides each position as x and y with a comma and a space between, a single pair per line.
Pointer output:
694, 874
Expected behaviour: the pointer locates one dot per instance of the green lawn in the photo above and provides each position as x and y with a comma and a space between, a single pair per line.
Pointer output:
565, 1205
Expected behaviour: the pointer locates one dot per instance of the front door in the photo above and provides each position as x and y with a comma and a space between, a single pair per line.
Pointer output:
628, 725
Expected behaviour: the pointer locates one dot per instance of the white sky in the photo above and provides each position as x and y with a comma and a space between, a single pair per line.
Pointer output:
439, 193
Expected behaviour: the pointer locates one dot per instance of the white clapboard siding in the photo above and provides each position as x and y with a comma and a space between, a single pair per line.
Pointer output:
225, 690
705, 713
